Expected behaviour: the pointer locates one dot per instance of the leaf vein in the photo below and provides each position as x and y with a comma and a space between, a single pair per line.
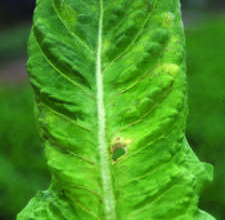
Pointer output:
59, 72
70, 32
66, 117
150, 111
133, 41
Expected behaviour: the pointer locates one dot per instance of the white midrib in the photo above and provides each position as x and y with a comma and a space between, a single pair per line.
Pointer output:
109, 203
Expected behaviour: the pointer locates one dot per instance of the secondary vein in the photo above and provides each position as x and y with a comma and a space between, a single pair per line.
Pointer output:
109, 203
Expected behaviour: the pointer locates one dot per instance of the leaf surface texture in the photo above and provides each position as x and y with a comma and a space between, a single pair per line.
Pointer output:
110, 88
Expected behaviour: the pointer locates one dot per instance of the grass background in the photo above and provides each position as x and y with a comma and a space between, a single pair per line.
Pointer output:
206, 122
13, 42
23, 171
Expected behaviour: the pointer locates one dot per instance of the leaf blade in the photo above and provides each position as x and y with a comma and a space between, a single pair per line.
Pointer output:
129, 95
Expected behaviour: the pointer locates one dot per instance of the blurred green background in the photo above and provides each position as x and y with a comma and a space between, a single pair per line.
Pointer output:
22, 165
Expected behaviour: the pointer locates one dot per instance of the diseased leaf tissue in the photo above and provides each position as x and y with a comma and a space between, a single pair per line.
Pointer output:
110, 88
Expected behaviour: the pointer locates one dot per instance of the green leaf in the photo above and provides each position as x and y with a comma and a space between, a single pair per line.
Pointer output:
109, 80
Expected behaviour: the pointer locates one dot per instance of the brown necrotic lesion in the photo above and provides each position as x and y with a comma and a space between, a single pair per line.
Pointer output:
119, 148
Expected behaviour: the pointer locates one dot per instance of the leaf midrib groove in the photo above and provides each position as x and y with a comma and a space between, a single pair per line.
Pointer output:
108, 195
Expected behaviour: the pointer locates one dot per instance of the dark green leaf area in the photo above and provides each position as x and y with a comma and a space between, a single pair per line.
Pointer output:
117, 153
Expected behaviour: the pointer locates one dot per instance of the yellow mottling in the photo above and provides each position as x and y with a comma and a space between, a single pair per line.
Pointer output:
120, 141
106, 46
168, 19
168, 68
